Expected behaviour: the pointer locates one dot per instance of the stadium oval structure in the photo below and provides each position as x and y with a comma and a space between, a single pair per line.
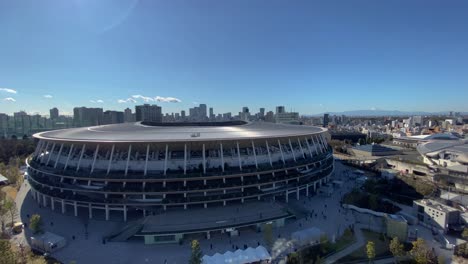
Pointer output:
138, 169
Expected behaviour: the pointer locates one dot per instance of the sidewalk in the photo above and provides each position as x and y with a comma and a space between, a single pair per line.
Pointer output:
359, 243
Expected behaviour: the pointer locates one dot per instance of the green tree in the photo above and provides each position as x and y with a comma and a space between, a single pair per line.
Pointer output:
35, 223
3, 211
196, 257
421, 254
7, 255
465, 233
318, 260
324, 244
268, 235
396, 248
370, 250
293, 258
10, 207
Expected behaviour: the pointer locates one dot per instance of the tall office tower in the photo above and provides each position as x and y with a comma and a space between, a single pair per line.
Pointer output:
182, 114
54, 113
202, 112
325, 120
244, 115
146, 112
280, 110
262, 112
128, 115
212, 116
83, 116
4, 127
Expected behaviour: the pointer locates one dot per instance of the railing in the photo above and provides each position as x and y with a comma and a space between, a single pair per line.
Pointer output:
173, 199
170, 174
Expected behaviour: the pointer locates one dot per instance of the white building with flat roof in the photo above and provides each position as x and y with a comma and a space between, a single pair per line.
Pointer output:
435, 214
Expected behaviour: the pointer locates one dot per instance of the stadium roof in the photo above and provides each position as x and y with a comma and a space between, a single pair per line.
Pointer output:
137, 132
457, 147
374, 148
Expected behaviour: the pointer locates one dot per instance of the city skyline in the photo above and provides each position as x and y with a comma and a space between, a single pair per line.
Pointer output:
316, 57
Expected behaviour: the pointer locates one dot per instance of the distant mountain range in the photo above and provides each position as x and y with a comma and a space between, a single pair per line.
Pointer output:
385, 113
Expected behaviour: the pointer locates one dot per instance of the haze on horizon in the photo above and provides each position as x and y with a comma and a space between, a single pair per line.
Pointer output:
313, 56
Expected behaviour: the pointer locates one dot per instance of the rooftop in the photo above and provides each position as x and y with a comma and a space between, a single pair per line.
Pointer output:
182, 132
436, 205
374, 148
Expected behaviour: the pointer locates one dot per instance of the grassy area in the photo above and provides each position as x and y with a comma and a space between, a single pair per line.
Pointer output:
310, 254
401, 189
10, 191
370, 201
381, 247
345, 240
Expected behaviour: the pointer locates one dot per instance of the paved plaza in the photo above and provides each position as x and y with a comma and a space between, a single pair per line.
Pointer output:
85, 245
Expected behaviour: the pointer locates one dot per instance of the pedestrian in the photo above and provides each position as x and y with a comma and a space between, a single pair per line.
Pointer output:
211, 246
73, 237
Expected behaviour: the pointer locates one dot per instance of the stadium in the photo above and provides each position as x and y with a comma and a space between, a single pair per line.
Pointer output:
144, 172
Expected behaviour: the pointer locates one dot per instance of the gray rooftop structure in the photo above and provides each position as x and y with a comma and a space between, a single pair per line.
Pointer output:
138, 132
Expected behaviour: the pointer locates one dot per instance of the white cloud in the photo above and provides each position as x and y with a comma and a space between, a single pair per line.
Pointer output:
48, 96
9, 99
7, 90
128, 100
167, 99
99, 101
144, 98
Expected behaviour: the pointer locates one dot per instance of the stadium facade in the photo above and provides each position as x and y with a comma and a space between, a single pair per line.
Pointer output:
141, 169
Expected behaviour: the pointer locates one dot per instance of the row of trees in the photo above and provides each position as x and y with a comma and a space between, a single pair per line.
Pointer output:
15, 148
9, 254
12, 172
8, 211
419, 253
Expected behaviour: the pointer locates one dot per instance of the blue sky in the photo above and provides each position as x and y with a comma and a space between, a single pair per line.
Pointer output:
311, 56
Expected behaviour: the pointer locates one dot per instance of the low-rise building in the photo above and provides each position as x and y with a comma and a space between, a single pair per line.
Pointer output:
435, 214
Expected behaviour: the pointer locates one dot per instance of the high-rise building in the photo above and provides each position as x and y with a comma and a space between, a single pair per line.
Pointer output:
54, 113
244, 115
202, 112
182, 114
84, 116
262, 112
146, 112
280, 110
325, 120
128, 115
4, 127
212, 116
112, 117
270, 116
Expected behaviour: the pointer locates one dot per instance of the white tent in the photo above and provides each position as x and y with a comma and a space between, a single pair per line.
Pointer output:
248, 255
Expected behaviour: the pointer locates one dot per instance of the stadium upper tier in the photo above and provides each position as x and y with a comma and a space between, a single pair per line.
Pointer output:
176, 132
